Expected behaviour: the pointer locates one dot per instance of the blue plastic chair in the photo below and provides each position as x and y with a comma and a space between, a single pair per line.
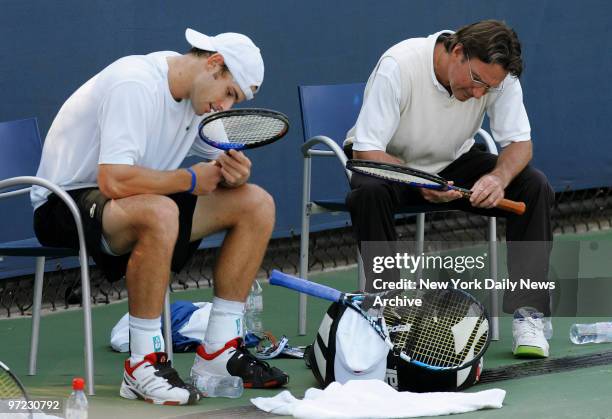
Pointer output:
20, 151
328, 112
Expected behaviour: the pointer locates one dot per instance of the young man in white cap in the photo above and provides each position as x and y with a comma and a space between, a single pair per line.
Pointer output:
116, 146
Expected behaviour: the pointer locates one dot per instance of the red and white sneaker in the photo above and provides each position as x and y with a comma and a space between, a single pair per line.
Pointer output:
155, 381
235, 359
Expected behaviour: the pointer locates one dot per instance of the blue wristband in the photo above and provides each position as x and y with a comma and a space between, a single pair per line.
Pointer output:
193, 179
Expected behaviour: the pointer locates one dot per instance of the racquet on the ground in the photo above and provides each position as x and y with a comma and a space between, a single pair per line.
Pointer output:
13, 397
449, 331
420, 179
241, 129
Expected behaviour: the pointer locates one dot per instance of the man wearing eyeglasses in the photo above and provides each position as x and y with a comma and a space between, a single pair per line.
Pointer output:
423, 104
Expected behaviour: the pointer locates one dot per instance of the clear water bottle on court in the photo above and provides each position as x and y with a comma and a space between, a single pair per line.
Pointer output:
76, 406
219, 385
548, 328
591, 333
254, 309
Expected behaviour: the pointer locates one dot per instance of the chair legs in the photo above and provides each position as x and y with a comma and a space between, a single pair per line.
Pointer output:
87, 327
168, 325
360, 271
304, 244
87, 323
420, 239
36, 307
494, 293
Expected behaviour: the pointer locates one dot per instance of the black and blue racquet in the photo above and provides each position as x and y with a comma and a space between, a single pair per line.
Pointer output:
420, 179
241, 129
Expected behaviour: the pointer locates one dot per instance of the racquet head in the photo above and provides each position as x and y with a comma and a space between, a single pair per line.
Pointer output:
397, 173
11, 391
450, 331
241, 129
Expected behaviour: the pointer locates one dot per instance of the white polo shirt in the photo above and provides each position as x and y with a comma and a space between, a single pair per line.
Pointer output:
403, 85
123, 115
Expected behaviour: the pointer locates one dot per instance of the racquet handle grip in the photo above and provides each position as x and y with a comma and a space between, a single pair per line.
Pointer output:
311, 288
512, 206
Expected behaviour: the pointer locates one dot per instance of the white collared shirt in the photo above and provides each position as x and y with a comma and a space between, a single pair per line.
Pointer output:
380, 114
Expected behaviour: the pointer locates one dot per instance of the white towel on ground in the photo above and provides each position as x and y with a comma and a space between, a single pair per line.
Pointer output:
376, 399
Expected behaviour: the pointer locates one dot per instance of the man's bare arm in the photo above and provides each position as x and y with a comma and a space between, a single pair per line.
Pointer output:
121, 180
376, 155
489, 189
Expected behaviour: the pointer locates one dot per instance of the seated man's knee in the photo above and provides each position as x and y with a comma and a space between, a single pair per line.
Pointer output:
538, 185
160, 216
258, 204
366, 194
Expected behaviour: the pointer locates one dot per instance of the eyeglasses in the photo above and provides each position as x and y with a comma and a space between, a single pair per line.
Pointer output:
482, 84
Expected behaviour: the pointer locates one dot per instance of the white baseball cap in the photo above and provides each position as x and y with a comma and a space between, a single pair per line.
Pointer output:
360, 353
240, 54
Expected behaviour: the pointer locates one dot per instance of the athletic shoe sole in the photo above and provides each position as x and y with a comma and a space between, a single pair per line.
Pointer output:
269, 383
524, 351
131, 393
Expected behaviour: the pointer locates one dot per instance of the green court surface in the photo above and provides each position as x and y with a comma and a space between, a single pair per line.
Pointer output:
581, 393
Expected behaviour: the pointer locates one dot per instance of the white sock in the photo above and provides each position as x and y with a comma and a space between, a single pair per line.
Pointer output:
225, 323
145, 337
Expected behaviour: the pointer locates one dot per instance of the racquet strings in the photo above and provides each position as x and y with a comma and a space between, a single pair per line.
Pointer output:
250, 129
394, 176
9, 389
448, 330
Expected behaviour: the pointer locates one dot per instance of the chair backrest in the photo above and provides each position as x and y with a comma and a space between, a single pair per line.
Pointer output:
20, 148
330, 110
20, 151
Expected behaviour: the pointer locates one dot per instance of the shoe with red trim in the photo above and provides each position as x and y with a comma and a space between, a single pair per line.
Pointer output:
155, 381
235, 359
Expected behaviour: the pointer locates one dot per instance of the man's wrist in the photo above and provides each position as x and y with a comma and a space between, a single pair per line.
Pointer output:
502, 178
193, 181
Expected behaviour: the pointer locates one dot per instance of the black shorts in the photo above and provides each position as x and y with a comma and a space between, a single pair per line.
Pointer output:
54, 226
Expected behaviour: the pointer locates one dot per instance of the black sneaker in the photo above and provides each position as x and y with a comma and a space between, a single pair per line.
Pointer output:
235, 359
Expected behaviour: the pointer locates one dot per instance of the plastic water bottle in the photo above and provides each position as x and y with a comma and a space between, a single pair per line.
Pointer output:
76, 406
219, 385
594, 332
254, 309
548, 328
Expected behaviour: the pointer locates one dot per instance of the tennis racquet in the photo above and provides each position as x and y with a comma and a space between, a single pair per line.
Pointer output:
420, 179
13, 397
241, 129
449, 331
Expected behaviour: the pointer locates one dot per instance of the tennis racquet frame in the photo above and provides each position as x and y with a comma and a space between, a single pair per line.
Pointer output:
229, 145
16, 380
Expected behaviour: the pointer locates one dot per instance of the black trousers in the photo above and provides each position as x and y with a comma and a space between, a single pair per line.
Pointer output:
373, 203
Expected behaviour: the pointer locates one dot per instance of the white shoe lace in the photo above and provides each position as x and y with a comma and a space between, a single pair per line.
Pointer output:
530, 327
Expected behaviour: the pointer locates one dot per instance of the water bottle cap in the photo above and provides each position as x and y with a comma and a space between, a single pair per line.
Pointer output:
256, 287
78, 383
